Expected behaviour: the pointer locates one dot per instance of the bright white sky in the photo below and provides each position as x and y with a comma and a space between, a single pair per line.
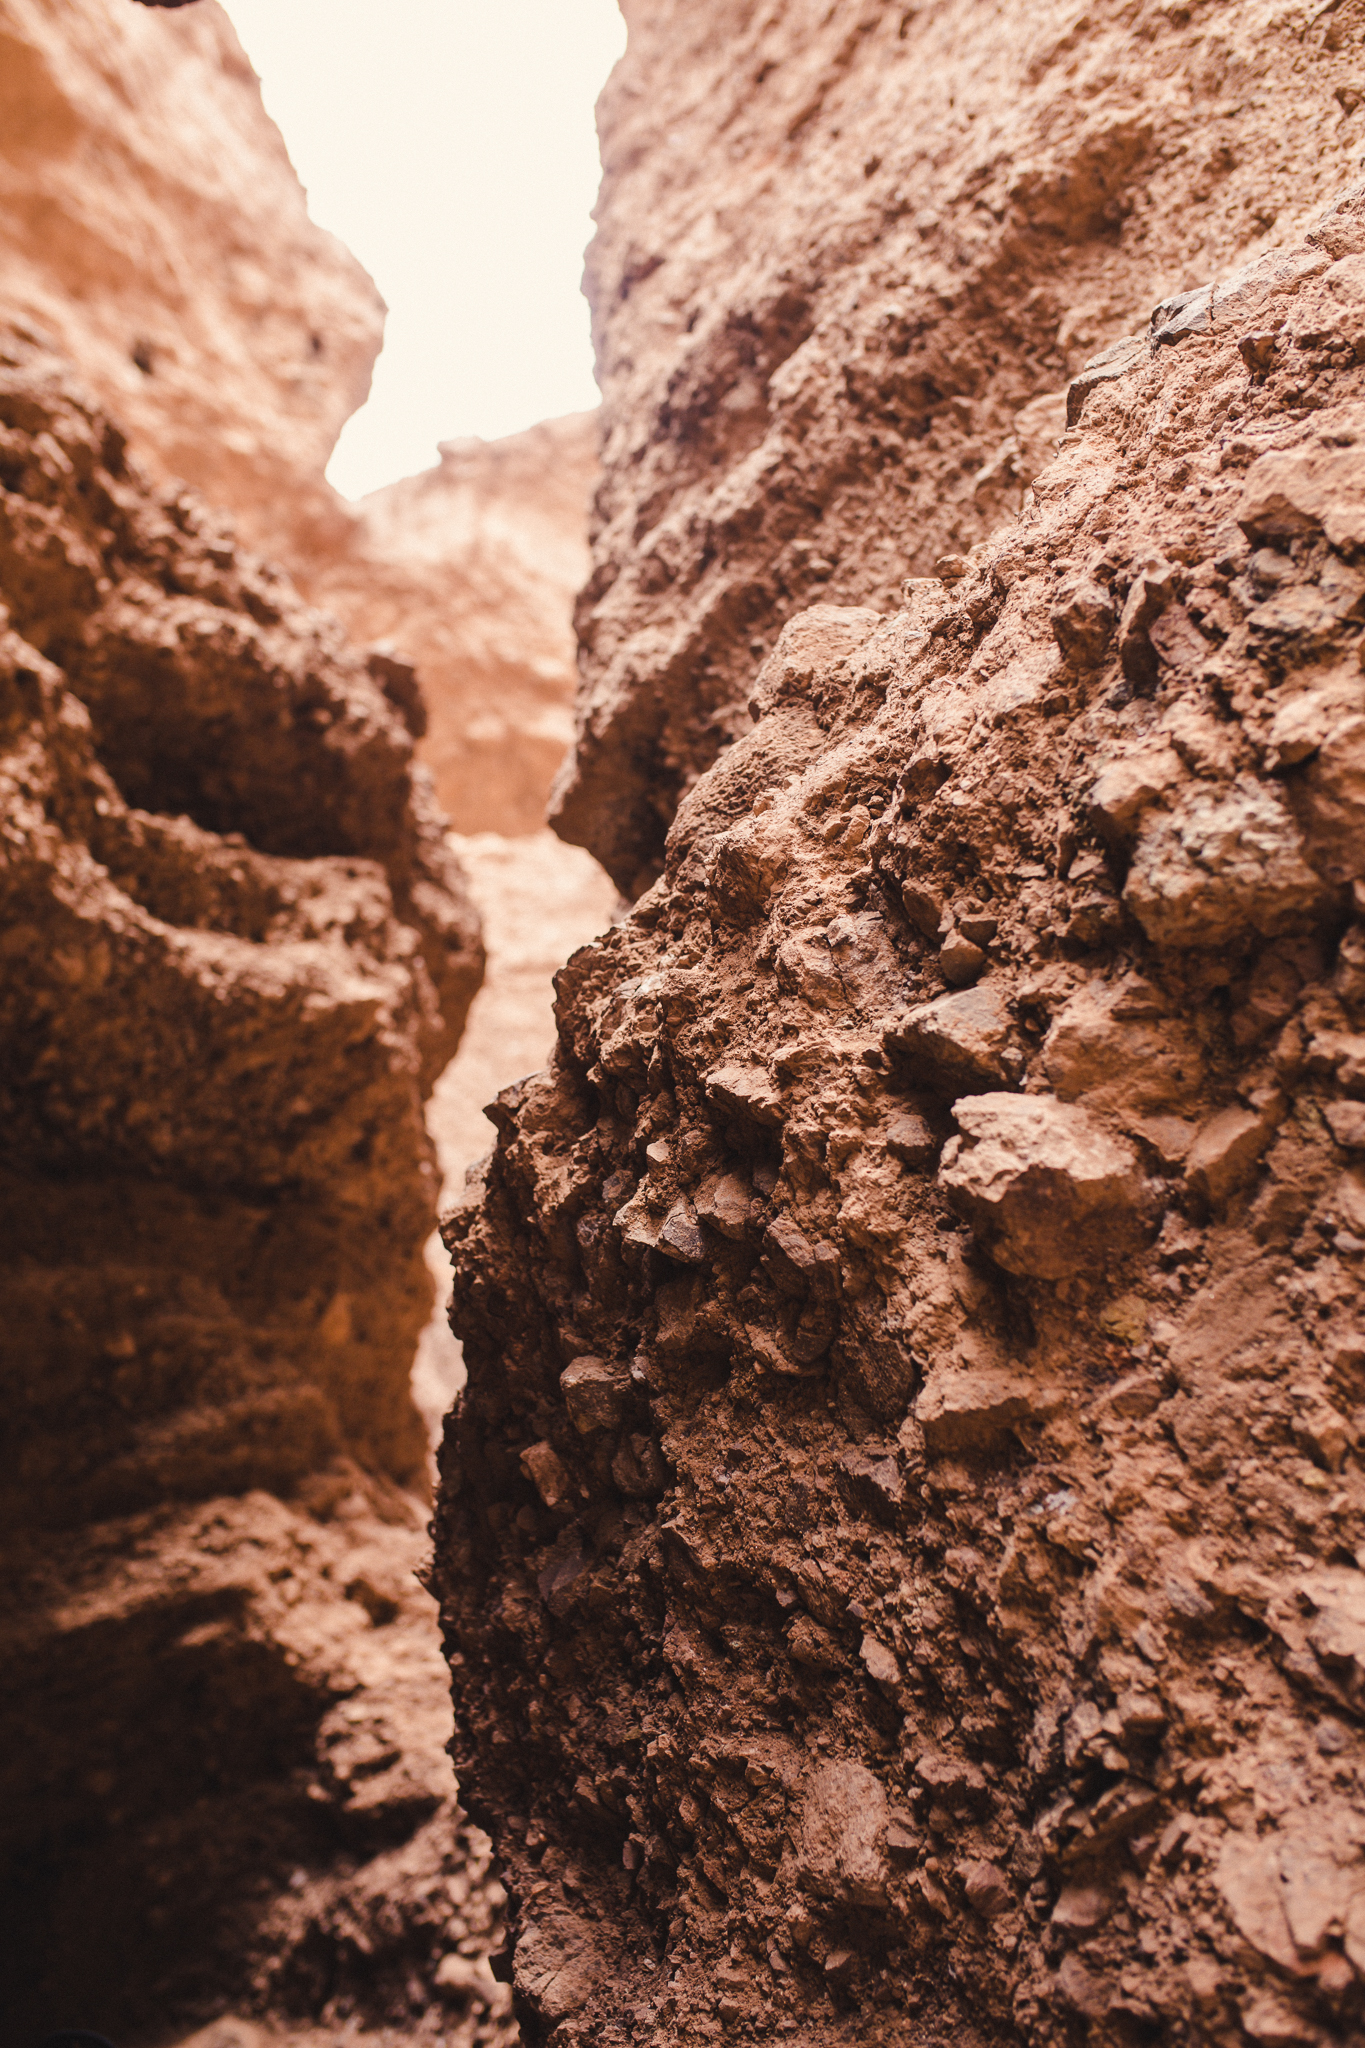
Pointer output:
451, 145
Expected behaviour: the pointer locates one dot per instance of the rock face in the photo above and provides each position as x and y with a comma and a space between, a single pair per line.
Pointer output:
902, 1548
229, 336
834, 316
469, 572
237, 952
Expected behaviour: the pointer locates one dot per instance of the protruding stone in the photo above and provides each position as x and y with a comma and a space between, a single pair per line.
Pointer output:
723, 1203
966, 1408
958, 1043
1130, 786
1346, 1121
961, 961
542, 1466
1148, 596
745, 1091
1048, 1189
1118, 360
910, 1139
1226, 1151
680, 1234
986, 1888
593, 1395
810, 643
1220, 866
1083, 623
879, 1663
1186, 313
843, 1835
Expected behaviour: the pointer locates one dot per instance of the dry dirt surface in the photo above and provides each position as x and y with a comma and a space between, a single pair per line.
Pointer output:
901, 1549
237, 953
846, 258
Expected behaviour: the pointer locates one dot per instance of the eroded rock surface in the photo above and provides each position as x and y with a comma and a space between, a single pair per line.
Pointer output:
236, 953
232, 338
901, 1547
847, 259
468, 572
154, 232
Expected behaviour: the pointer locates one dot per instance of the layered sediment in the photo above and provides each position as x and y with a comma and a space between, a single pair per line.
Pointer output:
901, 1546
237, 953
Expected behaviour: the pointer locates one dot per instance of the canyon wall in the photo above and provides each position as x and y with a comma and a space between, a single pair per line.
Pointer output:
833, 312
901, 1546
238, 951
154, 232
468, 573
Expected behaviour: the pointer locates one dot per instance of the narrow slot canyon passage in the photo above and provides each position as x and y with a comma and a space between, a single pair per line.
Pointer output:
818, 905
237, 1050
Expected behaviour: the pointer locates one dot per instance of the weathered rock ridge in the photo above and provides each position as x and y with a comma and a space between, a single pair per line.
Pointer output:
237, 952
902, 1547
846, 258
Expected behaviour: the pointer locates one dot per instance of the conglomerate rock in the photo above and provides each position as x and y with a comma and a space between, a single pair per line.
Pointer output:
846, 259
236, 953
902, 1548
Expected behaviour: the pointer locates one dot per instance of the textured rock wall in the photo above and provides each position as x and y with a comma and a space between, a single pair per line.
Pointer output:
237, 952
469, 572
153, 230
901, 1547
831, 309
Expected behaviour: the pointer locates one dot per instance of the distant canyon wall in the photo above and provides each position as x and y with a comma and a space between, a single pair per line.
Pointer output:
469, 572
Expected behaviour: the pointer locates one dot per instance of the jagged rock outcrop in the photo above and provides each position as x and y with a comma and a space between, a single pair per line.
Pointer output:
834, 309
901, 1548
237, 952
468, 572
